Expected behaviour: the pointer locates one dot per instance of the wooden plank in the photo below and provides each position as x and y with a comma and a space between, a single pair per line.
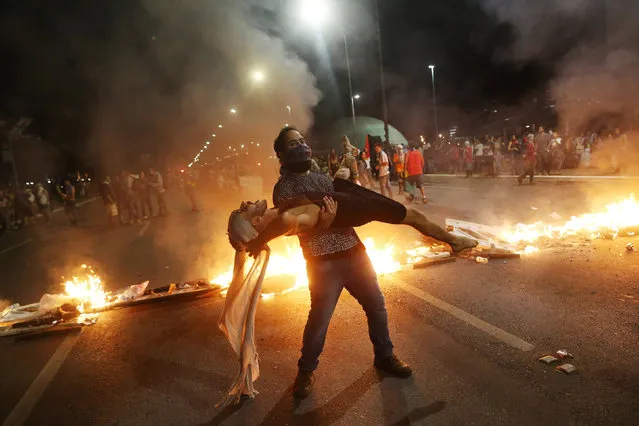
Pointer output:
433, 262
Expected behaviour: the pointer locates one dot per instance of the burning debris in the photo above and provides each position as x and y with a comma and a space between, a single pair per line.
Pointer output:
83, 298
617, 219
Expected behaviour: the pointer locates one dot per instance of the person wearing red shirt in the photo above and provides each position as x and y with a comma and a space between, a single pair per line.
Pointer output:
414, 169
468, 159
530, 160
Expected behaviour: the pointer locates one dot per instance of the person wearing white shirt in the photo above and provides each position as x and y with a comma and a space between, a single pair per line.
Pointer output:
384, 171
157, 189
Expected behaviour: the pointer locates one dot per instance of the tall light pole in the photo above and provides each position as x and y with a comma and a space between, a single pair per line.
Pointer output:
432, 73
350, 84
288, 107
315, 12
381, 71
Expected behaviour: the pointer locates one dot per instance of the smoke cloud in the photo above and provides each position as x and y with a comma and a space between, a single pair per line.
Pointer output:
593, 46
198, 59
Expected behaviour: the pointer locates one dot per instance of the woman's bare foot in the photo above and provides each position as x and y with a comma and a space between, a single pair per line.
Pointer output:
463, 243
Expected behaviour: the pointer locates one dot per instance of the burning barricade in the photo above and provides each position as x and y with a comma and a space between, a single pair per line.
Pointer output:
83, 298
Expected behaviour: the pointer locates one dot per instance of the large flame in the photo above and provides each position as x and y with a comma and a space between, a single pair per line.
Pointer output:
615, 217
290, 262
86, 289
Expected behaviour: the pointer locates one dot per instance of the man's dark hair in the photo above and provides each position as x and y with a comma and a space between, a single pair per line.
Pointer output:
280, 142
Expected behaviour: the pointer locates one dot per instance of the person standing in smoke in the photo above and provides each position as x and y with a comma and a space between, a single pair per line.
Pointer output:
68, 197
333, 163
542, 146
468, 159
530, 161
109, 200
156, 186
145, 197
42, 197
336, 259
348, 168
190, 187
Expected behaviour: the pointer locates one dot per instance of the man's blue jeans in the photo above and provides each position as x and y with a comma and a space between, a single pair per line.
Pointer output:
326, 279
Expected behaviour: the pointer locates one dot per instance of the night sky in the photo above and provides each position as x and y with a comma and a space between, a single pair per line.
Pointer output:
110, 79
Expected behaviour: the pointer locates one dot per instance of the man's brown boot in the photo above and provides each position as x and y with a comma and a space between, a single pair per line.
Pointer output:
393, 366
303, 384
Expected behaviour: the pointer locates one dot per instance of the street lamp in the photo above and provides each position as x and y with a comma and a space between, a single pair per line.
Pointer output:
357, 96
432, 73
219, 125
315, 12
257, 76
288, 107
233, 111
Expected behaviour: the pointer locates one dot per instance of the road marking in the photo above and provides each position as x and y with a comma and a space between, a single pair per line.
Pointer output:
15, 246
24, 407
496, 332
144, 228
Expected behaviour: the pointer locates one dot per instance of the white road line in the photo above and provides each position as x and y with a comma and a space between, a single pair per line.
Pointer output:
144, 228
24, 407
496, 332
15, 246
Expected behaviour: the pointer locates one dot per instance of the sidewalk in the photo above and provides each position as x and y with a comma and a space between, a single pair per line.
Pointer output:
565, 174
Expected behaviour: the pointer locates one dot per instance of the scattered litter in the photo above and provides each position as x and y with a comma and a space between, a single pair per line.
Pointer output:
133, 292
630, 247
563, 354
534, 208
87, 319
555, 216
566, 368
480, 259
548, 359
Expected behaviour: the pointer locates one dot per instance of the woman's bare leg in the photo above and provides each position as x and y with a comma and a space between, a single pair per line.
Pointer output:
417, 220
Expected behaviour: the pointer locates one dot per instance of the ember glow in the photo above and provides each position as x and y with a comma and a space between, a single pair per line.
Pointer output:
86, 288
615, 217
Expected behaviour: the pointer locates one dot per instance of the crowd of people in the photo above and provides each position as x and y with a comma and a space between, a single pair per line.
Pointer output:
131, 196
542, 152
20, 206
495, 155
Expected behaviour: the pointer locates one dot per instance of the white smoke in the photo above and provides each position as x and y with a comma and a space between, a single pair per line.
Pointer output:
593, 47
211, 49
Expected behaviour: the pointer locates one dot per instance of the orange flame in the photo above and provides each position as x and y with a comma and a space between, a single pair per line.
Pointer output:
291, 262
615, 217
86, 289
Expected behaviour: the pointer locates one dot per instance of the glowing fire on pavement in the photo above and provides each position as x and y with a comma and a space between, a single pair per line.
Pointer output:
86, 289
615, 217
291, 262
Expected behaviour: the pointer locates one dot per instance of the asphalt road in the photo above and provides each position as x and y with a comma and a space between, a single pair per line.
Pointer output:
471, 332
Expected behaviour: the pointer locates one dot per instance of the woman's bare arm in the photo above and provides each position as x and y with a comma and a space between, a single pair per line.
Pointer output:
292, 222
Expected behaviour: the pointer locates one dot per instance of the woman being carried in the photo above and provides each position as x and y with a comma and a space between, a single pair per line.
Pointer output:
253, 225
